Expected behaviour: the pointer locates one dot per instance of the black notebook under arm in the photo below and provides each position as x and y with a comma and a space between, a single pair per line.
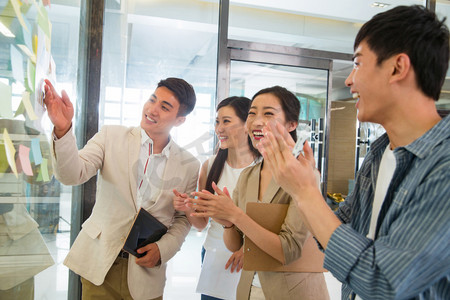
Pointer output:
145, 230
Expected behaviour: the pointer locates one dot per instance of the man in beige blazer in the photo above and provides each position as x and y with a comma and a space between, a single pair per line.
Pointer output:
121, 155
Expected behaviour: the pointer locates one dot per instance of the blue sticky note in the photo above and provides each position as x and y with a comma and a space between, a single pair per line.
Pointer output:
36, 151
17, 64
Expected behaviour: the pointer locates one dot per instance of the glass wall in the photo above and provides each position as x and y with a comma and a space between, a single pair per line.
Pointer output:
146, 41
36, 42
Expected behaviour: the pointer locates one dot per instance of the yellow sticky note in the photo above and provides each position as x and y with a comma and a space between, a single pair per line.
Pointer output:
10, 152
35, 42
28, 52
28, 107
16, 5
3, 160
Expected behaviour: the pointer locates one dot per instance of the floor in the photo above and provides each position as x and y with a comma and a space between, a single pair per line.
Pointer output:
182, 272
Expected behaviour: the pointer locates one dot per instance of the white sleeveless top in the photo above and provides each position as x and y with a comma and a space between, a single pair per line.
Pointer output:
229, 178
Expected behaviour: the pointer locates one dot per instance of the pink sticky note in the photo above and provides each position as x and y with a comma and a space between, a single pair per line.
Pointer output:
24, 155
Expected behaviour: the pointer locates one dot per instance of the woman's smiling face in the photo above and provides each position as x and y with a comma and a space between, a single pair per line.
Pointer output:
265, 107
230, 129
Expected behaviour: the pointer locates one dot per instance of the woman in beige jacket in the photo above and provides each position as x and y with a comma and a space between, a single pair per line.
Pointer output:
275, 104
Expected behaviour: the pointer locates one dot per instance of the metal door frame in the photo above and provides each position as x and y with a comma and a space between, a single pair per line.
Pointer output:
252, 52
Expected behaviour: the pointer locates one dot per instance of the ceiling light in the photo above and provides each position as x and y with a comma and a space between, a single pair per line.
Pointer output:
379, 4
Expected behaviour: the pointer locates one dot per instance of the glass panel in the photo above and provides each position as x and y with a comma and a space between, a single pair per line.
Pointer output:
35, 209
330, 25
309, 85
144, 42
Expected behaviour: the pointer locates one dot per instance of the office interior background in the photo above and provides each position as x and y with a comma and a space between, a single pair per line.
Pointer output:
109, 56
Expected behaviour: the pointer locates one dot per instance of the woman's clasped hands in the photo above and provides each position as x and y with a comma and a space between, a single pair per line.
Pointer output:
218, 206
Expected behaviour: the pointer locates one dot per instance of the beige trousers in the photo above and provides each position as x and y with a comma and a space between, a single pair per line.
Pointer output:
115, 286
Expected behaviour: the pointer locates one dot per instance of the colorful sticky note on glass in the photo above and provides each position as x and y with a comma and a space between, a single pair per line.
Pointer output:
44, 170
20, 110
16, 5
28, 107
24, 157
27, 37
17, 64
43, 21
5, 100
31, 75
27, 52
3, 161
10, 152
36, 151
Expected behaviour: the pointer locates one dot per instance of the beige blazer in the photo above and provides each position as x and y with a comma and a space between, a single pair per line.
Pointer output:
293, 233
114, 153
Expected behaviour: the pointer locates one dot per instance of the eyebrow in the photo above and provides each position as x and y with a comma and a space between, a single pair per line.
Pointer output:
356, 55
265, 107
163, 101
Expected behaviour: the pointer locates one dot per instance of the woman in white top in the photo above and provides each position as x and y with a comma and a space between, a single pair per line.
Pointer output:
235, 153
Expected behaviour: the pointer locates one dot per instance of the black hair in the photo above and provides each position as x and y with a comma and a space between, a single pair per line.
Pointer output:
241, 105
183, 91
417, 32
289, 103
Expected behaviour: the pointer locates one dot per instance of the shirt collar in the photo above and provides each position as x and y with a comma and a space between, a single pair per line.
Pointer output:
422, 146
165, 151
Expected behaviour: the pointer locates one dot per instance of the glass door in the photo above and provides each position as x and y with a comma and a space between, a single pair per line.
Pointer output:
254, 66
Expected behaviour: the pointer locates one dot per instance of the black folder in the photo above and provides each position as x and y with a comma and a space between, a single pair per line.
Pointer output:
145, 230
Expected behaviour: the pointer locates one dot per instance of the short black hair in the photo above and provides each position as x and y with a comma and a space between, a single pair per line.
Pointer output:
417, 32
183, 91
289, 103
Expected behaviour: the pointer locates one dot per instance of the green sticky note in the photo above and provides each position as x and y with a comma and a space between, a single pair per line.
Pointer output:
31, 76
44, 170
43, 21
20, 110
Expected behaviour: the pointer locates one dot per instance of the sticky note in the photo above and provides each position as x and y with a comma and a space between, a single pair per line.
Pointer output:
44, 170
17, 64
10, 152
3, 160
31, 75
24, 155
44, 22
28, 107
36, 151
20, 110
5, 100
27, 37
16, 6
27, 52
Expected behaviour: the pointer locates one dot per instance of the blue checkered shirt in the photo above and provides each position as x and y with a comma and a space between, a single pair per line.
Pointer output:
410, 256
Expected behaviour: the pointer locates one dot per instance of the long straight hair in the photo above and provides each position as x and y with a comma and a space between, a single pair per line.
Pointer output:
241, 106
